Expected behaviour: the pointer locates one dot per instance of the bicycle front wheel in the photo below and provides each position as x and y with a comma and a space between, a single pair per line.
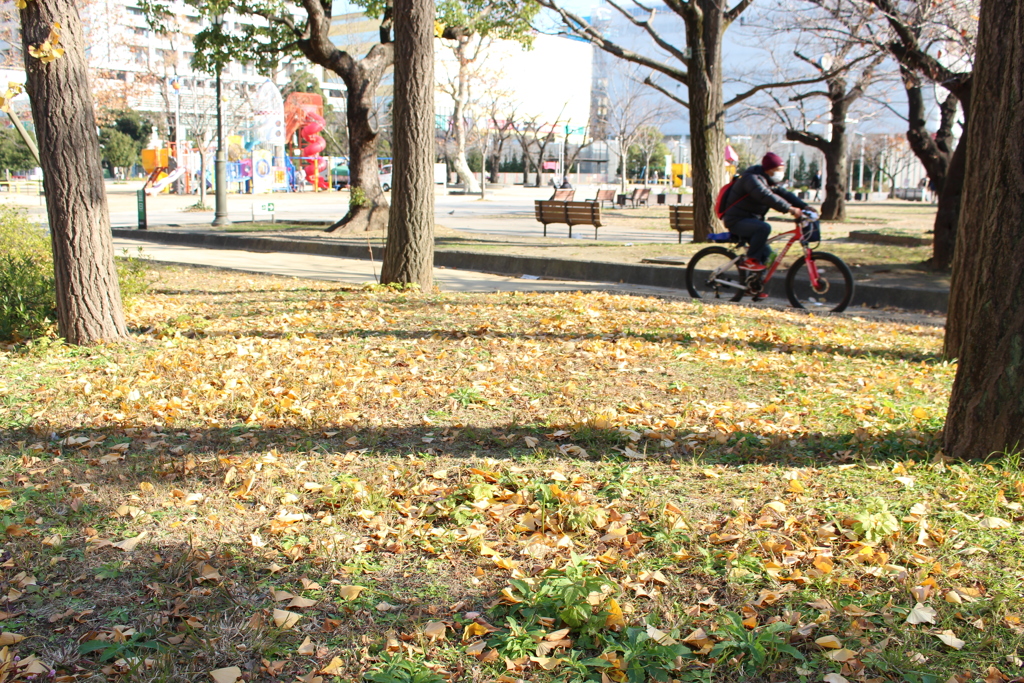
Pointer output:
712, 274
833, 290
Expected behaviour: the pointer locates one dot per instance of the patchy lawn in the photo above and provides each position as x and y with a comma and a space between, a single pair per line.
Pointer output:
312, 482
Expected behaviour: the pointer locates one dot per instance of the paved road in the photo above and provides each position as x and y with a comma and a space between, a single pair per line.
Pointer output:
359, 272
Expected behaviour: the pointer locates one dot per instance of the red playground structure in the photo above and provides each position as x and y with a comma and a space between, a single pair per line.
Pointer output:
303, 112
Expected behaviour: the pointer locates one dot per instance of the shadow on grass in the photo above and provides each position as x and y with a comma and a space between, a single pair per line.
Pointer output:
504, 442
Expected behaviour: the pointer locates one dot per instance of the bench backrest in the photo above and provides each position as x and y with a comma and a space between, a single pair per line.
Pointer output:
563, 195
570, 213
644, 194
680, 217
605, 196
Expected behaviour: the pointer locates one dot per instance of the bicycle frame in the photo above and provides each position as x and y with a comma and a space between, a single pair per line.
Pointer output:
794, 237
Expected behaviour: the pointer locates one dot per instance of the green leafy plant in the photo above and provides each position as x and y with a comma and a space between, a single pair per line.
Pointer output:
357, 197
875, 523
646, 656
133, 273
28, 304
398, 669
135, 645
757, 648
576, 596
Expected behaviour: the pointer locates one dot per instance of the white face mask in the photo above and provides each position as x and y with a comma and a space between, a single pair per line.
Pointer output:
777, 176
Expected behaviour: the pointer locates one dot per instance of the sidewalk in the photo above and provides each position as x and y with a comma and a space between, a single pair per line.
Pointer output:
922, 296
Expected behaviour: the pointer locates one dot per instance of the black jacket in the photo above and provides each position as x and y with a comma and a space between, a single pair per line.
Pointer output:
753, 194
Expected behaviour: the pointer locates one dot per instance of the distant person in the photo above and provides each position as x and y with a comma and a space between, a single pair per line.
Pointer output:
566, 185
750, 197
816, 184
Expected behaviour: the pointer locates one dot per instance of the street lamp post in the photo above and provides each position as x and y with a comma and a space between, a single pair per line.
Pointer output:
860, 171
220, 166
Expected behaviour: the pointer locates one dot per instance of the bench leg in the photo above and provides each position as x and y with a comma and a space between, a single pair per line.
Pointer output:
595, 234
545, 229
570, 231
680, 237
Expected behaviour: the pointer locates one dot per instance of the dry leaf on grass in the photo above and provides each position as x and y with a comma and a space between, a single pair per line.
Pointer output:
285, 619
129, 544
829, 642
950, 639
228, 674
333, 668
307, 647
10, 638
301, 603
350, 592
921, 614
435, 630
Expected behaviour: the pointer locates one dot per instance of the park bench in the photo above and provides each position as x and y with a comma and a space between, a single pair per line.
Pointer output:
570, 213
640, 195
604, 196
563, 196
680, 219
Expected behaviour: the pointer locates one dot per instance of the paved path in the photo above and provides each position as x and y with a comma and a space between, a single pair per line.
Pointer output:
359, 272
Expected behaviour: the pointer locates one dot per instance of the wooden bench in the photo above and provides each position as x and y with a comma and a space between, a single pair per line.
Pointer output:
680, 219
604, 196
563, 196
640, 195
570, 213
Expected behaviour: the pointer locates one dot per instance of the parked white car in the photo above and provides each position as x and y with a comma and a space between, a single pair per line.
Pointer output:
385, 178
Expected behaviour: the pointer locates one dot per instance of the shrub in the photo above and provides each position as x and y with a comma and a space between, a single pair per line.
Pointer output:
28, 301
28, 304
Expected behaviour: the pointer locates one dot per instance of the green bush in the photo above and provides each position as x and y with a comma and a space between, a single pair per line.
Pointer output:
28, 301
28, 305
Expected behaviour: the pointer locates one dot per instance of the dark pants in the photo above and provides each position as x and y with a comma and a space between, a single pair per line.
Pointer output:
756, 232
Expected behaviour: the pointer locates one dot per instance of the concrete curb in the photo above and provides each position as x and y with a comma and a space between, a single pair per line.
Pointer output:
672, 277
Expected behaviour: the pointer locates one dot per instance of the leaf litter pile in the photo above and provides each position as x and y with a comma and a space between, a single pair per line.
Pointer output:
278, 480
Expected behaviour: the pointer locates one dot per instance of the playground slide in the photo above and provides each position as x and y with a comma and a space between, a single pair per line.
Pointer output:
314, 145
163, 182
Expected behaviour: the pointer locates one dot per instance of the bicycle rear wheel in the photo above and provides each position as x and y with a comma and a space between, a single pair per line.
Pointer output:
712, 274
834, 290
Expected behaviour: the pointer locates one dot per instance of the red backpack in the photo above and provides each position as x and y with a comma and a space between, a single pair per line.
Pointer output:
723, 195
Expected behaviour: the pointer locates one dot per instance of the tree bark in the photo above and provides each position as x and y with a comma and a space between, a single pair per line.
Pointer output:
88, 295
943, 163
368, 206
707, 111
409, 252
460, 98
986, 408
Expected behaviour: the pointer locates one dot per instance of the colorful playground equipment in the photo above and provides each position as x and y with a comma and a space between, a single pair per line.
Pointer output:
303, 112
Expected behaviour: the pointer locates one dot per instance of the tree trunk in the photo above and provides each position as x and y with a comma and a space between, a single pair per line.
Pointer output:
368, 206
409, 252
944, 165
836, 181
460, 98
986, 409
88, 295
707, 114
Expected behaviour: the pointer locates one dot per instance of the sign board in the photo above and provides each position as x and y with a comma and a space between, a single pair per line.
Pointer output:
440, 174
141, 201
262, 171
263, 211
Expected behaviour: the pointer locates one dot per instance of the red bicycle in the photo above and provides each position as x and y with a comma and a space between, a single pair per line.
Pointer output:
816, 280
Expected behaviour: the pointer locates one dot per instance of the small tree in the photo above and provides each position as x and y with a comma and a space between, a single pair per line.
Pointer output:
469, 26
14, 153
119, 150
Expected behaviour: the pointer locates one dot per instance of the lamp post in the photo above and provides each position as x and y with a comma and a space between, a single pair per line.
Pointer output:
220, 166
860, 171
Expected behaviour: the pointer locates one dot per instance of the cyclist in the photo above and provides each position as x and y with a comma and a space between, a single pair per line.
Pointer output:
753, 193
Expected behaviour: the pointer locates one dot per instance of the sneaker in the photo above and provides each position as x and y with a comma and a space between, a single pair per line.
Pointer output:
752, 265
760, 296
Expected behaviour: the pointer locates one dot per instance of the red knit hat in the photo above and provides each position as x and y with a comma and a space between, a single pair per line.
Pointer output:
771, 160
